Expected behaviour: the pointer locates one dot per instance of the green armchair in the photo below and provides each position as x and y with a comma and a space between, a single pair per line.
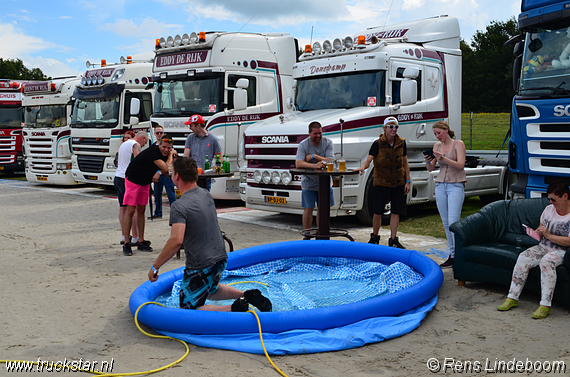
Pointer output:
487, 245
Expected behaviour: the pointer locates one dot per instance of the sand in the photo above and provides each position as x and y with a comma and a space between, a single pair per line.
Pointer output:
66, 285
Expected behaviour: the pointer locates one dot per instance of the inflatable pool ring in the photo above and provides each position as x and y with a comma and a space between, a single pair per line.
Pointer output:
188, 324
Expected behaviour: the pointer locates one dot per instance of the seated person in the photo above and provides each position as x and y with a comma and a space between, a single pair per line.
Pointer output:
554, 230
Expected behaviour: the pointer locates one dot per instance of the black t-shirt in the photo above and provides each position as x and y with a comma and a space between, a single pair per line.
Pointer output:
142, 168
376, 147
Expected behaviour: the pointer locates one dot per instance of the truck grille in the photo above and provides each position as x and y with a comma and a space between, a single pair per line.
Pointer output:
91, 164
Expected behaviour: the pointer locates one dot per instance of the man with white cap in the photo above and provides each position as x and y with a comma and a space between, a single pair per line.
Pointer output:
201, 144
391, 179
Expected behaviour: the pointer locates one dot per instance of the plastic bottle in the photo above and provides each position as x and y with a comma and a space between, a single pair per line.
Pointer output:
207, 164
226, 164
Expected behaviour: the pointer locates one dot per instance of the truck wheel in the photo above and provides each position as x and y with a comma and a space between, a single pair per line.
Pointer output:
366, 214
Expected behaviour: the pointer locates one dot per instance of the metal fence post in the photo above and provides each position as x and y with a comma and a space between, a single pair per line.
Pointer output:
471, 131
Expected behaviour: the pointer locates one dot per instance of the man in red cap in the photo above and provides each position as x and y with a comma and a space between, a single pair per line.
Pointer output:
201, 144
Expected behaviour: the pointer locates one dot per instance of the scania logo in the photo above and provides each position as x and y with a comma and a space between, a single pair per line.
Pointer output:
274, 139
38, 134
76, 139
561, 110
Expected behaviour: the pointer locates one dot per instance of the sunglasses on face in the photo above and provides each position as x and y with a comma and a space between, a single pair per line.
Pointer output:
159, 133
391, 126
552, 200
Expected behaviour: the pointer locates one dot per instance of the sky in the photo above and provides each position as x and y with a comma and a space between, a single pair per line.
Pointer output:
59, 36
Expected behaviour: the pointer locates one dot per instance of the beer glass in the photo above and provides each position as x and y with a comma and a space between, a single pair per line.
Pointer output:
342, 164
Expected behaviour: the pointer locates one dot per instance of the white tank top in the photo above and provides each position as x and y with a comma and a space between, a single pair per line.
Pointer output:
125, 153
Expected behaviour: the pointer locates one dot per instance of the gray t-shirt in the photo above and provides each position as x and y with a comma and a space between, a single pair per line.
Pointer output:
324, 149
201, 146
203, 242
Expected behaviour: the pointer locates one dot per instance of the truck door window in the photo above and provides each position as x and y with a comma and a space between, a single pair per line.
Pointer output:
251, 92
146, 106
346, 90
397, 83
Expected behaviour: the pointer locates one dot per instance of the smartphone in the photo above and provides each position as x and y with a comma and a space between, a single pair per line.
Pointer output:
429, 153
531, 232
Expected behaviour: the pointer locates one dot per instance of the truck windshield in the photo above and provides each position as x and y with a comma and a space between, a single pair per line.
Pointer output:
546, 63
11, 117
45, 116
185, 98
340, 91
96, 113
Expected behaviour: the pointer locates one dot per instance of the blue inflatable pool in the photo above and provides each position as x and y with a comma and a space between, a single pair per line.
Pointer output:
299, 331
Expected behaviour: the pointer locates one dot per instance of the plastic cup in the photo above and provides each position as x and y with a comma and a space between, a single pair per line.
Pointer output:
342, 165
330, 166
200, 171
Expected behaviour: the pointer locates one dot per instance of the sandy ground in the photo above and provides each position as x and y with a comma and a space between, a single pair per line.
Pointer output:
66, 285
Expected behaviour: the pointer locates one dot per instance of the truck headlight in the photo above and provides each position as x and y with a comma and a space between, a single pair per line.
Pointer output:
275, 177
286, 177
266, 177
257, 176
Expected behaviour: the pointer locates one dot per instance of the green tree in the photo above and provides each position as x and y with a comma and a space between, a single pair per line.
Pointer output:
15, 69
488, 69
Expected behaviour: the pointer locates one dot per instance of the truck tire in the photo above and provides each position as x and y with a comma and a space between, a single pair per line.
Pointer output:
366, 214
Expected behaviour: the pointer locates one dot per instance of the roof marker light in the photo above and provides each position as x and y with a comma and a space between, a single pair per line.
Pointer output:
202, 37
103, 63
52, 86
129, 60
308, 49
361, 40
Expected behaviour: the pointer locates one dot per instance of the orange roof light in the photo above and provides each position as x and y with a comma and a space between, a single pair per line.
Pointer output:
15, 85
157, 44
361, 40
129, 59
308, 49
52, 86
103, 63
202, 37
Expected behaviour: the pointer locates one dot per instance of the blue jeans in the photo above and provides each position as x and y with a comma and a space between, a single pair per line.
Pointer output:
169, 186
449, 199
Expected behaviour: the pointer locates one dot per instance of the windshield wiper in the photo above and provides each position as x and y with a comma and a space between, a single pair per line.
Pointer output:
555, 90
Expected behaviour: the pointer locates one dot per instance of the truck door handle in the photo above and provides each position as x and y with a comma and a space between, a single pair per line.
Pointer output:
421, 131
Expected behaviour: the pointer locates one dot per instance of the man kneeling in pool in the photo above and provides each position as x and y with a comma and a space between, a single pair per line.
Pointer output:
194, 223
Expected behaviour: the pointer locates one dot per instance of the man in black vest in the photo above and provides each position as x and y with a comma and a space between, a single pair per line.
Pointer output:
391, 179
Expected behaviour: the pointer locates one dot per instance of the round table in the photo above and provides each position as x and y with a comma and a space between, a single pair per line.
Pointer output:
324, 231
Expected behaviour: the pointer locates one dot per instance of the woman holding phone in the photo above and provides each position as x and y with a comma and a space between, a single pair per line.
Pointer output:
450, 182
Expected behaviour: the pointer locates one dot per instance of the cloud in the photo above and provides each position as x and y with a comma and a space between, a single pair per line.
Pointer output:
50, 67
15, 44
147, 27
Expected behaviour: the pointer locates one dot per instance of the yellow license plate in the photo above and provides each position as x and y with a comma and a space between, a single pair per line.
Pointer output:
177, 192
92, 177
42, 179
1, 167
275, 200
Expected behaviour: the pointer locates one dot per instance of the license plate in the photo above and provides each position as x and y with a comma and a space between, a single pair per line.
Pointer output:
42, 179
92, 177
275, 200
1, 167
177, 192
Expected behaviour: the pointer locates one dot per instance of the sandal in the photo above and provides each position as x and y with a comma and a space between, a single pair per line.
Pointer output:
541, 312
508, 304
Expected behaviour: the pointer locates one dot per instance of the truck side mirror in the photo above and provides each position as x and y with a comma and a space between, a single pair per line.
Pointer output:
240, 94
517, 73
135, 109
409, 89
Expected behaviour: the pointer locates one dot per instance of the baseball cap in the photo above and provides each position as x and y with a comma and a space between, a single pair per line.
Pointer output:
196, 118
390, 120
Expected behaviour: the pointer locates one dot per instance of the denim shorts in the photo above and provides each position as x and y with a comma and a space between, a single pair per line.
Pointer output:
310, 198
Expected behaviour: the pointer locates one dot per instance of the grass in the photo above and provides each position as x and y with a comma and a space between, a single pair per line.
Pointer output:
424, 219
488, 131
